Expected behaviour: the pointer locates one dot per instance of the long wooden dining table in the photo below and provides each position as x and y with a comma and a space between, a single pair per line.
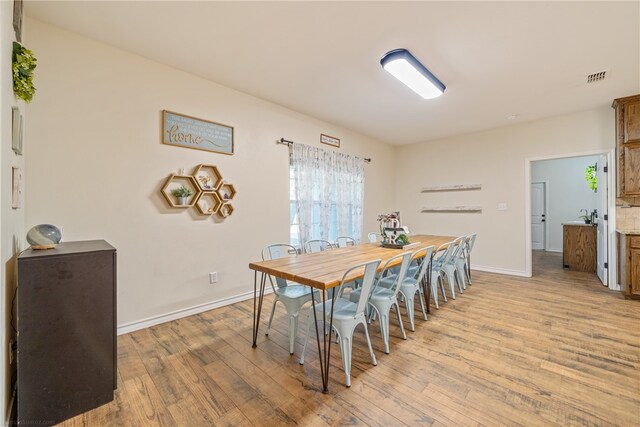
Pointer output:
324, 271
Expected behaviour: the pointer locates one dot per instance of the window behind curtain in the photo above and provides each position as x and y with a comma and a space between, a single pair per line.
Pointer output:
335, 186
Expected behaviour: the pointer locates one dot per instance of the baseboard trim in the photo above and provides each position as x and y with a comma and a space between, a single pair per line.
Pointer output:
184, 312
504, 271
554, 250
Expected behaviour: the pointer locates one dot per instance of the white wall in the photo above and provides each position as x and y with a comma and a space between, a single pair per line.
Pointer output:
567, 192
12, 220
495, 159
96, 165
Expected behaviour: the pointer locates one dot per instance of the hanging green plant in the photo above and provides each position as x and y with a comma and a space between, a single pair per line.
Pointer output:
23, 65
591, 175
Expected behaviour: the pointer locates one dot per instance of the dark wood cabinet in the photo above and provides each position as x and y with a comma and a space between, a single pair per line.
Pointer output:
629, 264
628, 148
579, 243
66, 321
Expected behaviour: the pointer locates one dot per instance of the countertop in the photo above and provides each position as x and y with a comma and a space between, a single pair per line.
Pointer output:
622, 231
579, 224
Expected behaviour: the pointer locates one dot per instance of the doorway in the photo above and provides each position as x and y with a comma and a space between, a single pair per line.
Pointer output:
563, 194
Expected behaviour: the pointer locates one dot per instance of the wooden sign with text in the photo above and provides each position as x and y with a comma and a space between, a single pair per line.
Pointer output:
191, 132
330, 140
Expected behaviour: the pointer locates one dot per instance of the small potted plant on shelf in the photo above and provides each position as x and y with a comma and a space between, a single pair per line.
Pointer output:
586, 218
182, 193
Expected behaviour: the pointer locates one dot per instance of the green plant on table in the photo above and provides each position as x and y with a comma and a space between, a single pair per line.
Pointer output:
402, 239
181, 191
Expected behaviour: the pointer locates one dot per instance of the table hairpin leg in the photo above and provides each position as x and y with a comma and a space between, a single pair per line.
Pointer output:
325, 356
257, 301
426, 283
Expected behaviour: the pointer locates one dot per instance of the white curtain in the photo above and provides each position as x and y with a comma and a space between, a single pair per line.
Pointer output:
329, 191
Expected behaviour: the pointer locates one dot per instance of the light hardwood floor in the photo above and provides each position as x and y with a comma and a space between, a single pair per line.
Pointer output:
556, 349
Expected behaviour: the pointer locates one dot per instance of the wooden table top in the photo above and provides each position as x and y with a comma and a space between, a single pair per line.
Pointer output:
324, 270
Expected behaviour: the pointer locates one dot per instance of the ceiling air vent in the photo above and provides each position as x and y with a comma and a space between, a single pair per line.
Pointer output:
596, 77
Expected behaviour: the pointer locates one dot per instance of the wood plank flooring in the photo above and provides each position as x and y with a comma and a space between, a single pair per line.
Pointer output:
556, 349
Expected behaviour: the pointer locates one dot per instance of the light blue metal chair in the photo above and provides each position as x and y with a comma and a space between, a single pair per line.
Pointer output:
347, 315
384, 298
450, 267
317, 245
344, 241
464, 262
291, 294
412, 283
373, 237
440, 257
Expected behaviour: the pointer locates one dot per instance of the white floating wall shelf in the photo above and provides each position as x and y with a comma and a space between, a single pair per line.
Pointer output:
452, 209
463, 187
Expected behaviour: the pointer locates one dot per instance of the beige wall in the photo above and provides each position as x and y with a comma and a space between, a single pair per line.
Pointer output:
12, 220
495, 159
96, 166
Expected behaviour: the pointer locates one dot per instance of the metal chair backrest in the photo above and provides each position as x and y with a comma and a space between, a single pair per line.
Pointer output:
344, 241
399, 278
275, 251
444, 253
458, 252
370, 269
471, 240
424, 254
317, 245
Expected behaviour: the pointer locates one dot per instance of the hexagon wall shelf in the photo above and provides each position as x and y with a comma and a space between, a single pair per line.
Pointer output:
225, 210
208, 177
177, 181
208, 203
211, 195
226, 191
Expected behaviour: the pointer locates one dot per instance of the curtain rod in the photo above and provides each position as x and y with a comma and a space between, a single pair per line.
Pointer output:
290, 143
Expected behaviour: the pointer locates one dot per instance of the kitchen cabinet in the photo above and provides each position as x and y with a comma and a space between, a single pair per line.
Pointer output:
629, 264
579, 243
66, 321
628, 149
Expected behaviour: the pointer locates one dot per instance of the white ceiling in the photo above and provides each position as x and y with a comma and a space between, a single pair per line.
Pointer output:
322, 58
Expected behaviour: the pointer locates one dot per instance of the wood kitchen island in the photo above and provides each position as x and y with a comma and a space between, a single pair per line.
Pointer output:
579, 247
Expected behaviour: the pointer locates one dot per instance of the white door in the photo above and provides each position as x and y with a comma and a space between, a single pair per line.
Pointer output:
538, 214
603, 229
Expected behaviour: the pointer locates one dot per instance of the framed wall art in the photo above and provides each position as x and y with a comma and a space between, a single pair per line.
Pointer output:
330, 140
17, 19
16, 188
17, 129
190, 132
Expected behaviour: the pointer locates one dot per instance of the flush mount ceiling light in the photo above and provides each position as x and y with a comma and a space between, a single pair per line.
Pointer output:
406, 68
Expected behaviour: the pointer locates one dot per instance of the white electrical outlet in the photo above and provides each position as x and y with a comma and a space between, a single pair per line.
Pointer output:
213, 277
502, 206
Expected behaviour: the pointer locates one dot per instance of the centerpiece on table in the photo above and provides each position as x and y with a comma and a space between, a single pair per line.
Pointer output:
393, 234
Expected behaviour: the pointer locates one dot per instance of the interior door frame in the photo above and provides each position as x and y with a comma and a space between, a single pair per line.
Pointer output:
546, 210
611, 197
607, 263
